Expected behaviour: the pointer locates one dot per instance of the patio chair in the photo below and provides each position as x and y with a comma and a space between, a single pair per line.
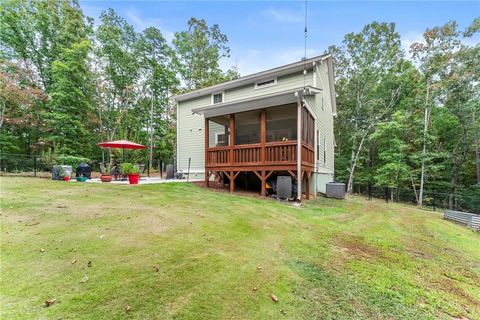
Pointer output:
115, 172
102, 168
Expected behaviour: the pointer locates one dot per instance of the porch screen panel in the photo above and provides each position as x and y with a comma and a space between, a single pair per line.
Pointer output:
304, 125
311, 130
247, 127
218, 131
282, 123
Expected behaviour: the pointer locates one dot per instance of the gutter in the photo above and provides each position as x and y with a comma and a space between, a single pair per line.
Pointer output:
299, 146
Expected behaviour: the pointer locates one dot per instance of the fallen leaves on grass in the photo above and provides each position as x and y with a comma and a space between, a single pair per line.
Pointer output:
84, 279
48, 303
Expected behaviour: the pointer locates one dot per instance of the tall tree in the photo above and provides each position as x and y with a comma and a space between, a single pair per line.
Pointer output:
198, 52
156, 59
120, 71
367, 61
451, 84
35, 35
71, 113
36, 32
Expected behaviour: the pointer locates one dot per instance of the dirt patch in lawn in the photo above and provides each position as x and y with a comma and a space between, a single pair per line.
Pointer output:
355, 247
450, 286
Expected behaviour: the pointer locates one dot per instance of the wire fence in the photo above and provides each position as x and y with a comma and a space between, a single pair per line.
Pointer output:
431, 199
24, 165
40, 165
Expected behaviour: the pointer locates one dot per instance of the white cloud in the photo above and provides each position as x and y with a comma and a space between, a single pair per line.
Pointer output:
283, 16
410, 38
253, 60
140, 23
295, 54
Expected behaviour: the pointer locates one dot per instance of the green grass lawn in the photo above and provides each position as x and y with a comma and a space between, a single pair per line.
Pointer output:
177, 251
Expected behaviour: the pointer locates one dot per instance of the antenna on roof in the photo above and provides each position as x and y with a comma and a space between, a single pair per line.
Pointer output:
305, 50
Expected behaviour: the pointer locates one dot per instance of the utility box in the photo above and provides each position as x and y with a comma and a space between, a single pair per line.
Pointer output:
335, 190
170, 171
284, 187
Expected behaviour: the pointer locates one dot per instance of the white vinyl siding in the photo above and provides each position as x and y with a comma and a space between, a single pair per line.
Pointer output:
191, 135
324, 118
286, 82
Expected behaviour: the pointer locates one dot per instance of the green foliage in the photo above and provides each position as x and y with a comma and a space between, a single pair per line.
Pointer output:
71, 161
198, 52
128, 168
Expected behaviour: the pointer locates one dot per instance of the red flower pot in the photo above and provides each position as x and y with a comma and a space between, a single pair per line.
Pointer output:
133, 178
66, 178
106, 178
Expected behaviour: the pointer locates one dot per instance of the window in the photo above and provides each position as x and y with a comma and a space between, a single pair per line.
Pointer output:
266, 83
217, 98
221, 139
318, 145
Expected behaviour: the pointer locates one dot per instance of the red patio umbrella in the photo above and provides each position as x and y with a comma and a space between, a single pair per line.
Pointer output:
121, 144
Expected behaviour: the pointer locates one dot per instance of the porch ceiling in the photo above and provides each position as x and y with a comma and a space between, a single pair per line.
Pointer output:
258, 102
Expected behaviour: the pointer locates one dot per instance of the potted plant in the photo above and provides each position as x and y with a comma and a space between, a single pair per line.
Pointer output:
106, 175
132, 172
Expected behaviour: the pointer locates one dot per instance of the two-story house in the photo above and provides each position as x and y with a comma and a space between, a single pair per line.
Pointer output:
274, 122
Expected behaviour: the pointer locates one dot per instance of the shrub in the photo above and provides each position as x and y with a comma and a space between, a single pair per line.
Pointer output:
71, 161
128, 168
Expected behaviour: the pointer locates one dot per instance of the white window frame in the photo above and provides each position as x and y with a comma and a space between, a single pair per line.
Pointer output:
215, 93
274, 83
227, 137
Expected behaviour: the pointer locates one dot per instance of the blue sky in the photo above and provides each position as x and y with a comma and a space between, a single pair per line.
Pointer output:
266, 34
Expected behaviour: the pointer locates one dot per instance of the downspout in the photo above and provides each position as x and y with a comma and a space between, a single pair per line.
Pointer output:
299, 146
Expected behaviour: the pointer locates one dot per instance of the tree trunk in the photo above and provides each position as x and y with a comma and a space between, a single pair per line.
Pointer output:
424, 149
452, 203
477, 148
355, 156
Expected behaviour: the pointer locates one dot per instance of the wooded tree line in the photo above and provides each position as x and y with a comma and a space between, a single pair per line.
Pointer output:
405, 119
66, 85
409, 122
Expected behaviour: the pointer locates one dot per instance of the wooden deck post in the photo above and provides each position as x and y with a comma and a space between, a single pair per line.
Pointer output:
263, 134
307, 189
264, 186
232, 181
232, 139
207, 175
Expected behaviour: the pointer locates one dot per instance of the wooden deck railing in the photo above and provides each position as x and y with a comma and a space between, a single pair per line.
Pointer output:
308, 155
274, 153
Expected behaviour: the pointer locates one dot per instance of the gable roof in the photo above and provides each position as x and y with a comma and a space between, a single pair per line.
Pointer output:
263, 75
